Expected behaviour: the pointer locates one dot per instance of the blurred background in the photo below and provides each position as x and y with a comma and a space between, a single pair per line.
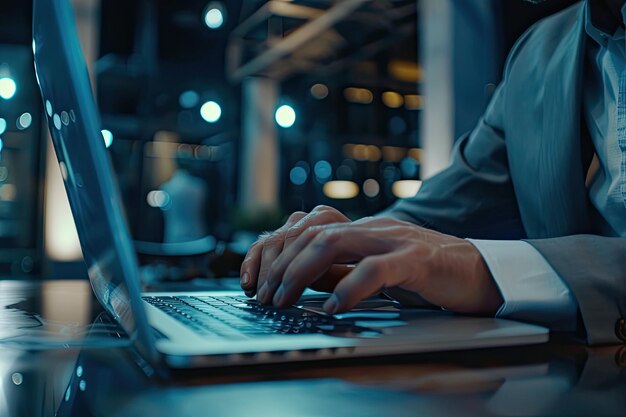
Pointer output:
222, 117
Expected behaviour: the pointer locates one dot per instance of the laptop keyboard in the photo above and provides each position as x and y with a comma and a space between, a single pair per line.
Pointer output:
237, 316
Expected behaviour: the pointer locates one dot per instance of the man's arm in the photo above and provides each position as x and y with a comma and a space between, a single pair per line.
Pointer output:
474, 196
531, 289
594, 268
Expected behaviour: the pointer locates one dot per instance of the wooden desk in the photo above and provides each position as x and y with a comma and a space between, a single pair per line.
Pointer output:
558, 379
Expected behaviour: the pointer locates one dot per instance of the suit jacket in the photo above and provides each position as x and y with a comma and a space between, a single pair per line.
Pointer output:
520, 174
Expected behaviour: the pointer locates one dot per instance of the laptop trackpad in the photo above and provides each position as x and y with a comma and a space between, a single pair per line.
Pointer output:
366, 319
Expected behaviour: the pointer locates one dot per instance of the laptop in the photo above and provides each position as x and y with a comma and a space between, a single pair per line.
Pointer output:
183, 330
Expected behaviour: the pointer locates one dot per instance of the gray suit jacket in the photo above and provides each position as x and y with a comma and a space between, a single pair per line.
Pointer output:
520, 174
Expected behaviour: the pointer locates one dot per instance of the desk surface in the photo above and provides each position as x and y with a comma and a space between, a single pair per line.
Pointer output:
559, 378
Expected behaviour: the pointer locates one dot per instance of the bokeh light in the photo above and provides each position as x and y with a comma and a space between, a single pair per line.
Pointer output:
8, 88
108, 137
214, 17
211, 112
285, 116
24, 121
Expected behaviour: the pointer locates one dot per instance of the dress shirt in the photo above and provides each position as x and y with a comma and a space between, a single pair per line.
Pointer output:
531, 289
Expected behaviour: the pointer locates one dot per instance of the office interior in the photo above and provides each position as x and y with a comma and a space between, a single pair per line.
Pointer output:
336, 116
222, 117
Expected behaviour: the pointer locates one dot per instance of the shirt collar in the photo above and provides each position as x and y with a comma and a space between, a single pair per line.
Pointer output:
601, 24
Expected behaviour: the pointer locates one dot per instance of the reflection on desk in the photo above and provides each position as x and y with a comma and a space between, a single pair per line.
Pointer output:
560, 378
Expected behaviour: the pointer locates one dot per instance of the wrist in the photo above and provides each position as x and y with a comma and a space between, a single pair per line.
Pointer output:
490, 297
479, 294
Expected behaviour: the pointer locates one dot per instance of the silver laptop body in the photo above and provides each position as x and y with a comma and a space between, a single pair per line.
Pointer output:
190, 330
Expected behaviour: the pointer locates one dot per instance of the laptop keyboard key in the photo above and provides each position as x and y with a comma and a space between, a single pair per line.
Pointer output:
235, 316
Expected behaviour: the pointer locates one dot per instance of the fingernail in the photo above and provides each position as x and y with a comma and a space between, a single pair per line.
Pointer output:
331, 305
261, 294
245, 279
278, 297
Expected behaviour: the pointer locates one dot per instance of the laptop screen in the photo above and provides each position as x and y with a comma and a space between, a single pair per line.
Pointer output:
74, 125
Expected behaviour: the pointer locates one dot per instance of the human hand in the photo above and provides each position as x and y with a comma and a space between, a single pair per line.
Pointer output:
444, 270
262, 253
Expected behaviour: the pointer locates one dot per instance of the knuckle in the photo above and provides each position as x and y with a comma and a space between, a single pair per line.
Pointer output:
366, 219
311, 232
322, 208
295, 216
275, 239
325, 237
372, 267
293, 233
254, 247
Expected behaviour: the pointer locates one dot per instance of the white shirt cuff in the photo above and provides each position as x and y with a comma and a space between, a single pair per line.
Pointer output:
532, 291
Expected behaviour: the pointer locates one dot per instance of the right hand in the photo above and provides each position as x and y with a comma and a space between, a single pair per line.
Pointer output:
263, 252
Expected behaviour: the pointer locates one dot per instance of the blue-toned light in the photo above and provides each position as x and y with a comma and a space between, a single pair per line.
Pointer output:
108, 137
188, 99
323, 170
214, 18
285, 116
24, 121
1, 144
159, 199
17, 378
3, 125
8, 88
211, 111
298, 175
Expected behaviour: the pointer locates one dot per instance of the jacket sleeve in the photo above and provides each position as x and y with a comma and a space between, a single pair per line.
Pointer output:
474, 196
594, 267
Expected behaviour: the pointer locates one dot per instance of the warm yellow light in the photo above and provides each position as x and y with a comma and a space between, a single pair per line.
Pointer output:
360, 152
358, 95
406, 71
406, 188
373, 153
61, 239
413, 102
348, 150
341, 190
393, 153
415, 153
393, 99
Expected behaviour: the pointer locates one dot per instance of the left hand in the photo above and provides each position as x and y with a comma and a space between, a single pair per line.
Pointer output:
444, 270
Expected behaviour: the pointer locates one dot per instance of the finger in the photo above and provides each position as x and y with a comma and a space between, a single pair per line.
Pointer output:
317, 250
369, 277
320, 215
250, 266
331, 278
272, 247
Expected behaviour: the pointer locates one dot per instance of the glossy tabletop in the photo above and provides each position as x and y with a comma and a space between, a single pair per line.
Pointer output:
59, 358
